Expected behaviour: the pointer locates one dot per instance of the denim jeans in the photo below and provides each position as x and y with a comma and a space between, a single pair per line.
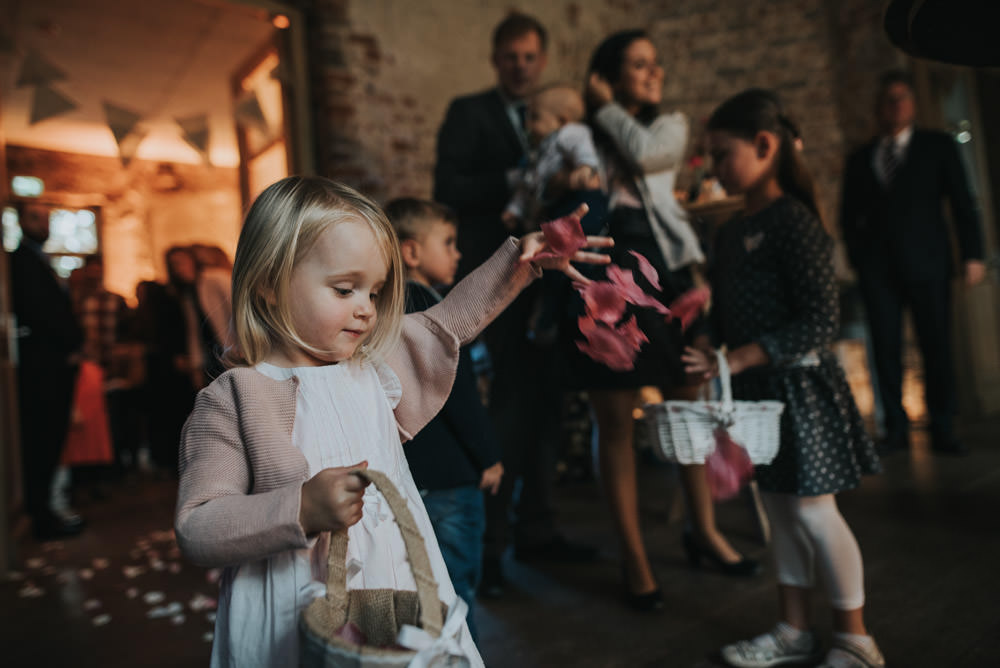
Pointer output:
459, 521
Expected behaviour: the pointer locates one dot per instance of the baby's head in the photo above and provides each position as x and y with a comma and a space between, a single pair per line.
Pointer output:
317, 274
428, 234
552, 107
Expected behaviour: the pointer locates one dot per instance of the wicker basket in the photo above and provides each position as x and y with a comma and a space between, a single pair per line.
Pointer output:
382, 613
684, 431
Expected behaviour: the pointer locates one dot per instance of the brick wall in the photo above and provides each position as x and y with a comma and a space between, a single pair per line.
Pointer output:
384, 71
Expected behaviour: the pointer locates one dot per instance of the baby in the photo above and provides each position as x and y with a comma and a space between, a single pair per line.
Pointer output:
562, 141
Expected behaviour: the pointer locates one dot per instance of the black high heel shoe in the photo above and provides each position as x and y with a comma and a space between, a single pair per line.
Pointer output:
745, 567
651, 601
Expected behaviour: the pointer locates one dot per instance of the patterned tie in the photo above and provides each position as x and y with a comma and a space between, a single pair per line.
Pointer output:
890, 161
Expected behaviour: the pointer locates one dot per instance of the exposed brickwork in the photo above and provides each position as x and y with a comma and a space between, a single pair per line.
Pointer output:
385, 71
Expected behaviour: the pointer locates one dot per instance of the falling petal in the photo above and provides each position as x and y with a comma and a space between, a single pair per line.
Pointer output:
101, 620
91, 604
564, 235
689, 305
647, 270
604, 302
132, 572
631, 333
29, 590
177, 620
212, 575
86, 574
208, 636
615, 348
35, 562
131, 592
210, 617
158, 565
153, 597
630, 290
174, 567
100, 563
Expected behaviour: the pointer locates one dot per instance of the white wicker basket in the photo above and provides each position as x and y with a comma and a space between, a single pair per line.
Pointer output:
683, 431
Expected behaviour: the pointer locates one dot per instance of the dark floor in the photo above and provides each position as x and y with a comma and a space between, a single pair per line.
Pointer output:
929, 528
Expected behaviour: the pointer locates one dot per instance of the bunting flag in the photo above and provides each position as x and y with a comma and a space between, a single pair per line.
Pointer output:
47, 103
129, 146
121, 121
196, 133
37, 71
249, 113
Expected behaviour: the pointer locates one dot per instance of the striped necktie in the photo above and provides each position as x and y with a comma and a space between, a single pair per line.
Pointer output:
890, 161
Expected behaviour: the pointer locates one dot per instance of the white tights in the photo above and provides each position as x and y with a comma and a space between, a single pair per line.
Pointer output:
808, 530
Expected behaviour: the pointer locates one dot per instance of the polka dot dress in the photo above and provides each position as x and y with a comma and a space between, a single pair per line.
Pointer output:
773, 284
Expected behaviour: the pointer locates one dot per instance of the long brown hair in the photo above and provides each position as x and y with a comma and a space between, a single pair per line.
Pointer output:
759, 110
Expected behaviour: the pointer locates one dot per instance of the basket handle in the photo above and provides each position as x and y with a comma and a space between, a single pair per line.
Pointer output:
726, 381
416, 552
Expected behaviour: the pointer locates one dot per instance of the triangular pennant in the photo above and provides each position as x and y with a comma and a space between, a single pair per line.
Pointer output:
248, 112
121, 121
129, 146
47, 103
195, 129
36, 71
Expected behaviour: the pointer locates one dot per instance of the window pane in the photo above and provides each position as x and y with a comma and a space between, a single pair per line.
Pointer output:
72, 231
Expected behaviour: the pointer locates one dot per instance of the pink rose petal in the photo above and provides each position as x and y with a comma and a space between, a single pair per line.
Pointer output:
616, 348
604, 301
630, 290
647, 270
564, 235
728, 467
689, 305
352, 633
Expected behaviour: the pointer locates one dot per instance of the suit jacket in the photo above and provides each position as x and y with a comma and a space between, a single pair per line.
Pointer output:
50, 332
903, 225
476, 146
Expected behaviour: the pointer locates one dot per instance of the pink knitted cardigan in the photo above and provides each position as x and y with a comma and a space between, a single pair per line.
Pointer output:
240, 474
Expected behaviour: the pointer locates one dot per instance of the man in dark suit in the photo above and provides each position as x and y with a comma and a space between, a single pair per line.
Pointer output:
49, 338
480, 153
898, 241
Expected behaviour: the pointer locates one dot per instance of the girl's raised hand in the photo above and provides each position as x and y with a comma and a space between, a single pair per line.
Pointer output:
535, 249
332, 499
599, 91
698, 362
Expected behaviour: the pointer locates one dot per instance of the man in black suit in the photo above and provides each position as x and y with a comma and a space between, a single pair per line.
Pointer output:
481, 150
49, 338
898, 241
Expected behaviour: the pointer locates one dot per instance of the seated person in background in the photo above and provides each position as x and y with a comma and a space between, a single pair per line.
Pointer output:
564, 146
457, 454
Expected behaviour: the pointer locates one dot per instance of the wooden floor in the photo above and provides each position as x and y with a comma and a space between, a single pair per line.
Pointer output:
929, 529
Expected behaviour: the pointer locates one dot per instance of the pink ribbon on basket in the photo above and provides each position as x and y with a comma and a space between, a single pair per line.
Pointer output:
728, 468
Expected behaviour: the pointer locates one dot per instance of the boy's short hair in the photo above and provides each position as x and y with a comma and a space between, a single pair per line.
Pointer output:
411, 217
517, 24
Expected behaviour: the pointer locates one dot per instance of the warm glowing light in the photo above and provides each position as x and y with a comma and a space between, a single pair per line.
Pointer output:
280, 21
27, 186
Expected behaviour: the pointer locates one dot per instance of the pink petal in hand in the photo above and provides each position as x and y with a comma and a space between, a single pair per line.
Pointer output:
630, 290
564, 235
647, 270
689, 305
604, 302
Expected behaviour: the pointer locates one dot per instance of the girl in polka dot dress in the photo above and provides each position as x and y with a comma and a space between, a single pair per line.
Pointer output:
775, 308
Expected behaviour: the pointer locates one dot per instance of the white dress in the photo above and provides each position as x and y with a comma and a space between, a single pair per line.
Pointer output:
343, 416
